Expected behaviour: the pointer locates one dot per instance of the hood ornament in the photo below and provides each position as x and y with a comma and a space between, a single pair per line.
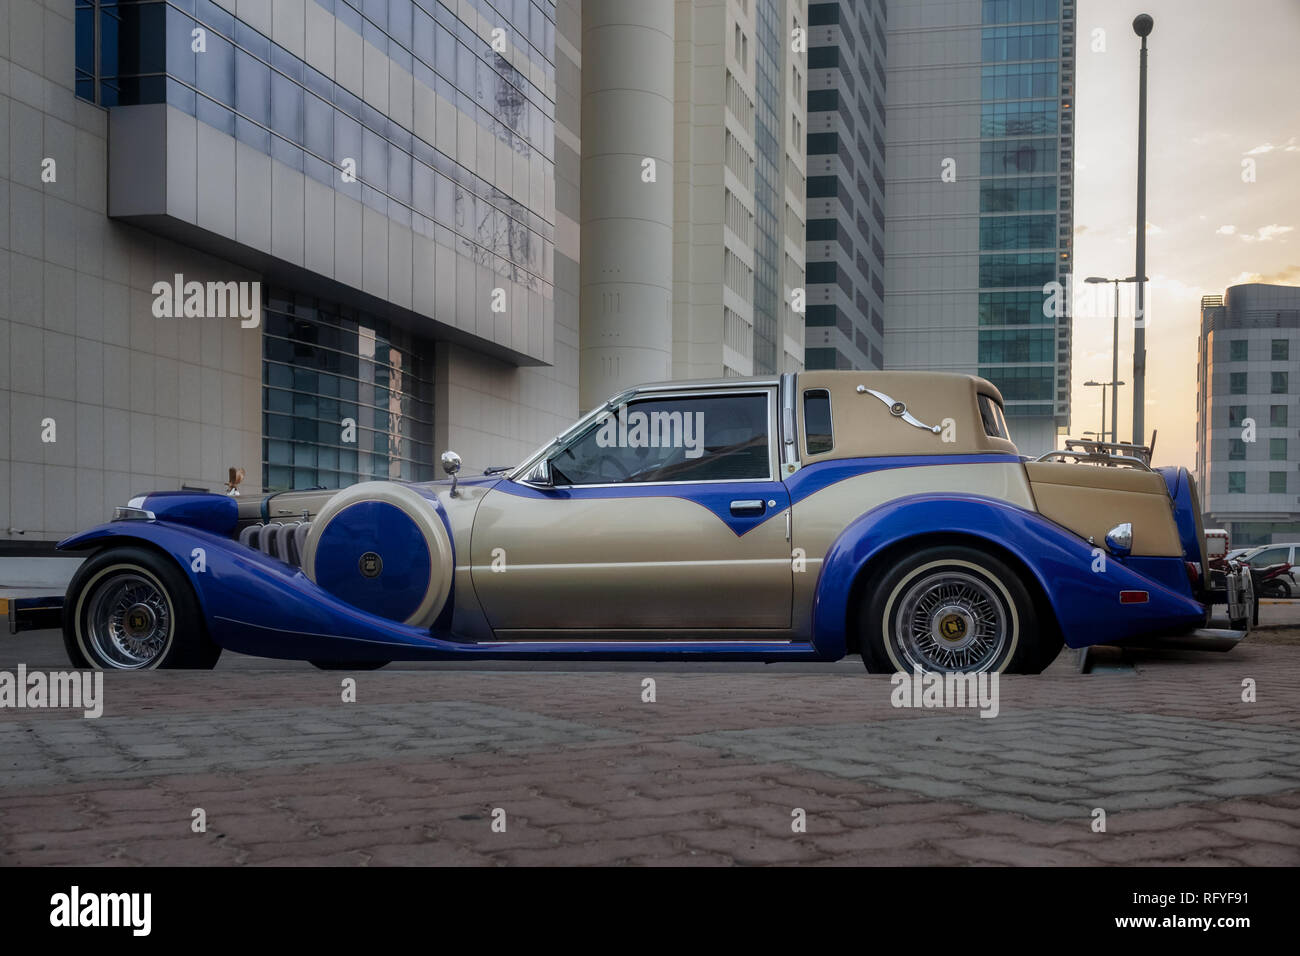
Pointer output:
898, 409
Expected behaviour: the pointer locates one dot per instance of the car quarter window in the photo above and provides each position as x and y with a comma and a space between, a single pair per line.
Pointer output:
674, 438
995, 425
817, 435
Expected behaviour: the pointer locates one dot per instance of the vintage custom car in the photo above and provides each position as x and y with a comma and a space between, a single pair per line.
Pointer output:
796, 517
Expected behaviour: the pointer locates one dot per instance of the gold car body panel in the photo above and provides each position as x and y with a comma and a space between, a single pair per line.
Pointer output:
822, 517
1090, 500
627, 563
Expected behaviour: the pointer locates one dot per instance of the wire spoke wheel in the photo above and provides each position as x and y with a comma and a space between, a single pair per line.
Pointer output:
950, 620
129, 620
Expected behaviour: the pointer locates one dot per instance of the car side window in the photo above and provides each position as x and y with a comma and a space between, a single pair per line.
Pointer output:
817, 435
677, 438
1269, 556
995, 425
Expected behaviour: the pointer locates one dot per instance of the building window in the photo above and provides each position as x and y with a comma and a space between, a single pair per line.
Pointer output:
1034, 269
1277, 416
1017, 345
1277, 482
1279, 384
1236, 415
1236, 482
1277, 449
1017, 232
1281, 350
1236, 449
1237, 383
1238, 350
1014, 308
345, 397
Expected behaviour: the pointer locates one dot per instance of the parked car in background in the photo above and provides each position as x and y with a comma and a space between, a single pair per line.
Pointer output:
794, 517
1279, 579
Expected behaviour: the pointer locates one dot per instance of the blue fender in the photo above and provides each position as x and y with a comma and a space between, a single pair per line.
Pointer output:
1179, 482
254, 604
1086, 603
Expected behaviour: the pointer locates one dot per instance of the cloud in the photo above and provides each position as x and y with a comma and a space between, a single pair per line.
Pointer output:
1289, 146
1269, 232
1287, 275
1262, 234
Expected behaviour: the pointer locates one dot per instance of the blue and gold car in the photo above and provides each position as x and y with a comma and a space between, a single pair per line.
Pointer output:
796, 517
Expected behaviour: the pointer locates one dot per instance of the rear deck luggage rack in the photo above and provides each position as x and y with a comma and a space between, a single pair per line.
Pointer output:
1102, 453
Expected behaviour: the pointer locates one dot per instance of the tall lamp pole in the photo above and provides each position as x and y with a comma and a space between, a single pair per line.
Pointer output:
1115, 383
1142, 26
1103, 386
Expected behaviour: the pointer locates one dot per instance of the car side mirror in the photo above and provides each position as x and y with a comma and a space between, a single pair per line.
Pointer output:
451, 465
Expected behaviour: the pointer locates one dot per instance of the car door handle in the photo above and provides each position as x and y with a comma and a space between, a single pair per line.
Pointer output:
748, 506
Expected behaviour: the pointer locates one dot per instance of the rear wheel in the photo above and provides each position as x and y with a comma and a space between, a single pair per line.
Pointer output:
952, 608
130, 608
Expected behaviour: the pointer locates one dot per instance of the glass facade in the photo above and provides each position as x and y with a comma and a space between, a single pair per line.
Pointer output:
345, 397
253, 89
1027, 53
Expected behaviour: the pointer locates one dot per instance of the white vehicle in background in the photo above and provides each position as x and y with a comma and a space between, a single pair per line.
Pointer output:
1281, 583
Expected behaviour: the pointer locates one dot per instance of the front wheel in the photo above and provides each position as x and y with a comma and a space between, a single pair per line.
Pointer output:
952, 608
130, 608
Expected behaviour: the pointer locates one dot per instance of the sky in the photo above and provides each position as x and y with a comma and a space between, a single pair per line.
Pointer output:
1223, 86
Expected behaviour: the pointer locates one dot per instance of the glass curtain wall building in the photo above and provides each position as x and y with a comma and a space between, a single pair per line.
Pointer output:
845, 324
387, 170
980, 199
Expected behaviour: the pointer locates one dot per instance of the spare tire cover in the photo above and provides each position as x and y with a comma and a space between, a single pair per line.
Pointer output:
382, 547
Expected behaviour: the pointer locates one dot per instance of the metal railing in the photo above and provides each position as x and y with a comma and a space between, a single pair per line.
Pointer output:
1087, 451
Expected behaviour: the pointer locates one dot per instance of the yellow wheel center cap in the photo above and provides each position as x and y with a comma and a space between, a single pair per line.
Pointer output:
952, 627
139, 620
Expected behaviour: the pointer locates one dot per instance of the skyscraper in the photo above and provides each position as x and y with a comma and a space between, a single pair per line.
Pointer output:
739, 187
979, 199
845, 324
1247, 452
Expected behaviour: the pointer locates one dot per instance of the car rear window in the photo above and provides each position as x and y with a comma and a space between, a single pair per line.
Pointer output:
817, 436
995, 424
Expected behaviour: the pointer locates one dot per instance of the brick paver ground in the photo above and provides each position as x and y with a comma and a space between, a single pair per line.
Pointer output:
712, 772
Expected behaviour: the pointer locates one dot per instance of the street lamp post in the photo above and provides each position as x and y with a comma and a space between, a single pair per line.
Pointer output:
1103, 386
1114, 358
1142, 26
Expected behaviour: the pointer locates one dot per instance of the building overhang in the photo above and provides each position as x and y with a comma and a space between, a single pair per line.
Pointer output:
155, 175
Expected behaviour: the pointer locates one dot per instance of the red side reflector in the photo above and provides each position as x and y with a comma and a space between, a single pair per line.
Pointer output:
1133, 597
